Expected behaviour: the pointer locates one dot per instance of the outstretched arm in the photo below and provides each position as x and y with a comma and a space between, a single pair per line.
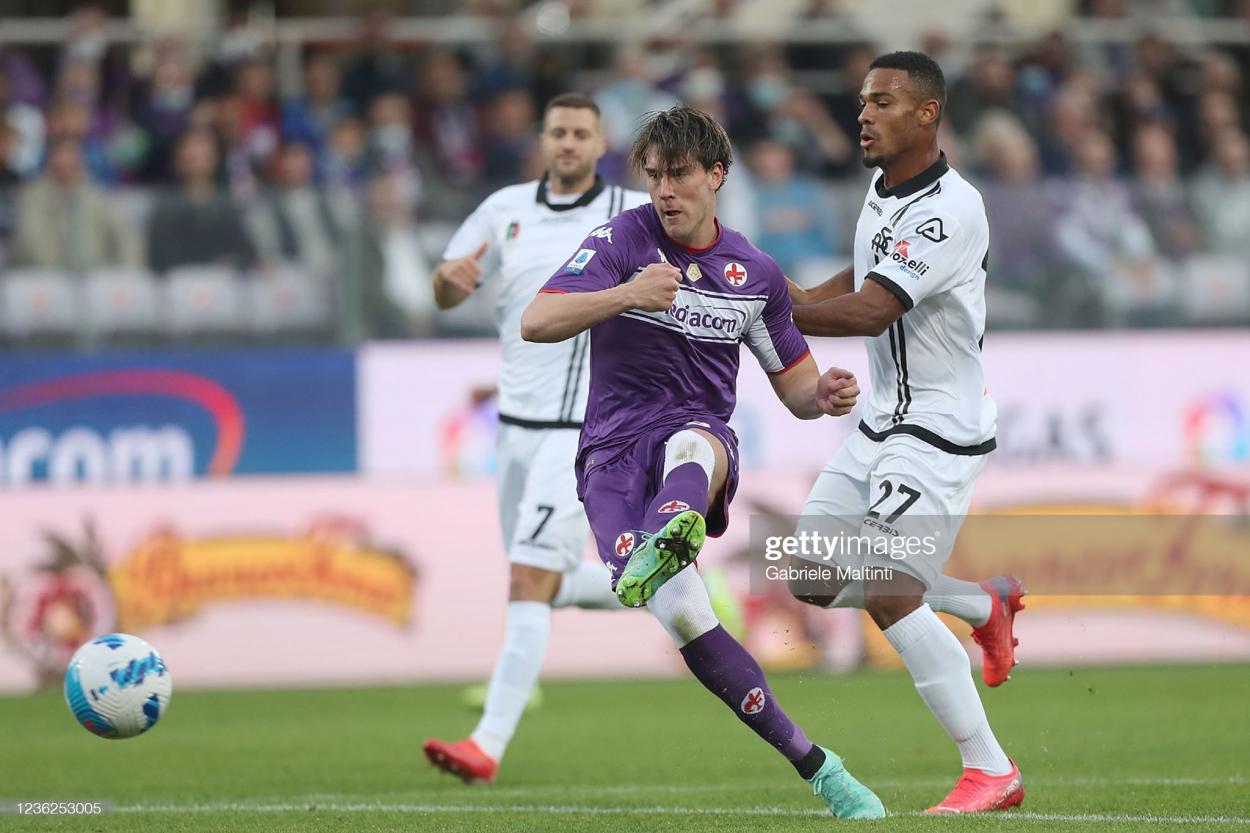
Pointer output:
839, 284
809, 395
556, 316
868, 312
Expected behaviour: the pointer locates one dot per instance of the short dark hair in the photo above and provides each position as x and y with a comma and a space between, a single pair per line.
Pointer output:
574, 101
922, 71
681, 135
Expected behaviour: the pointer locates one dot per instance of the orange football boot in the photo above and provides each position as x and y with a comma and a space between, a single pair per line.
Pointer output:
998, 645
977, 792
463, 759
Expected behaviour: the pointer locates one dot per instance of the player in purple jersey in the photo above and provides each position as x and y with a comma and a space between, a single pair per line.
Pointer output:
668, 295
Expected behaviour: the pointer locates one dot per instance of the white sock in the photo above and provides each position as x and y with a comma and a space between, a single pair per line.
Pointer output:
683, 607
965, 599
516, 671
943, 676
588, 586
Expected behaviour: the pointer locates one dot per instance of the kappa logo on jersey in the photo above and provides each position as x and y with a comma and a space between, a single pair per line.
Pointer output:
624, 544
881, 242
754, 702
603, 233
932, 230
673, 506
735, 273
578, 264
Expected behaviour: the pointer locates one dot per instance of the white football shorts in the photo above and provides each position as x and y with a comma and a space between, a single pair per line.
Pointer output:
898, 503
543, 522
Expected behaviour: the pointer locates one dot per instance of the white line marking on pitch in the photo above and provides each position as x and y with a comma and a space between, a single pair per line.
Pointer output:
564, 809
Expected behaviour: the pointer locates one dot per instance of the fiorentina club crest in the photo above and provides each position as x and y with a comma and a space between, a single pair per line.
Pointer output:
753, 703
624, 544
673, 506
735, 273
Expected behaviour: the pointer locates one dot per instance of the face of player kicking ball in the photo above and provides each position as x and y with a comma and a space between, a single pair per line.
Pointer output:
572, 143
893, 119
685, 198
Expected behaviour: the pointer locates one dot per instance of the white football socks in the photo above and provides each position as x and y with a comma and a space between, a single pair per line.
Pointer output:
965, 599
516, 671
943, 676
588, 586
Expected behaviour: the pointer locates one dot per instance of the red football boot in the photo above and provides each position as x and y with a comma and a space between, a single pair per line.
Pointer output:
463, 759
998, 645
977, 792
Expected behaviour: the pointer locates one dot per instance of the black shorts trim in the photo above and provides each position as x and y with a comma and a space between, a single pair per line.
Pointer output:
925, 435
538, 424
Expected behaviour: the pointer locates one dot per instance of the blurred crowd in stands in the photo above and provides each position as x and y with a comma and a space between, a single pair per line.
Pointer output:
1116, 175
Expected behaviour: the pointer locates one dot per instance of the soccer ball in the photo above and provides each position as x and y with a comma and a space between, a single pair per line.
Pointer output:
117, 686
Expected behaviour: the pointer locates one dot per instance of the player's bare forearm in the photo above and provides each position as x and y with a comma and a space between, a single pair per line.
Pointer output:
554, 316
840, 284
446, 293
798, 389
867, 312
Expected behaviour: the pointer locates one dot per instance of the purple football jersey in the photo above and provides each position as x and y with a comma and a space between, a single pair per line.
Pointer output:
651, 369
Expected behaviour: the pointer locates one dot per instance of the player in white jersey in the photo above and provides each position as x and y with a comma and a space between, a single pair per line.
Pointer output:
519, 236
917, 290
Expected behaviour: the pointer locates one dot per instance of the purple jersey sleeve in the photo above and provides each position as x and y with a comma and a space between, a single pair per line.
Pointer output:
773, 337
603, 261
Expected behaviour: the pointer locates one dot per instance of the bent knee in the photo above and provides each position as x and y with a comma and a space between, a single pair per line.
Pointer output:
532, 584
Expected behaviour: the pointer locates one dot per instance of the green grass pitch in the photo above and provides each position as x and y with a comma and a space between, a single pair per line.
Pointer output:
1101, 749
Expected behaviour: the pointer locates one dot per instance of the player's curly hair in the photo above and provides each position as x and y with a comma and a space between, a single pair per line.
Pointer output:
679, 136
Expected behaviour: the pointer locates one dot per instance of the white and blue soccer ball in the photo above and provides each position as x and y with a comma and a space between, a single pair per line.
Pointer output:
117, 686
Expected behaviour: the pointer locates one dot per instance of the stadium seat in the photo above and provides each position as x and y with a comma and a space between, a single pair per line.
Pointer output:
204, 303
121, 306
286, 301
40, 307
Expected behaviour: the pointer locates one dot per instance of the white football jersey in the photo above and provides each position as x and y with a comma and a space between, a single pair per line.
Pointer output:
531, 234
927, 241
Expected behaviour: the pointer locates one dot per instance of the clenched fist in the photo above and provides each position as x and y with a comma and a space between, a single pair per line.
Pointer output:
465, 273
655, 288
837, 391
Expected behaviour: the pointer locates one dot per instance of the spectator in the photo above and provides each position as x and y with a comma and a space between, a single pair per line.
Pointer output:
1103, 237
310, 117
446, 122
794, 225
295, 222
387, 290
1026, 282
988, 85
70, 119
624, 101
392, 149
1159, 193
163, 108
26, 151
196, 223
512, 137
344, 162
10, 184
377, 68
778, 110
258, 127
65, 222
1221, 195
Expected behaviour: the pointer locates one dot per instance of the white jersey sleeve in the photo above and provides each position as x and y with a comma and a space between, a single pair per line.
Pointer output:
929, 254
478, 228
